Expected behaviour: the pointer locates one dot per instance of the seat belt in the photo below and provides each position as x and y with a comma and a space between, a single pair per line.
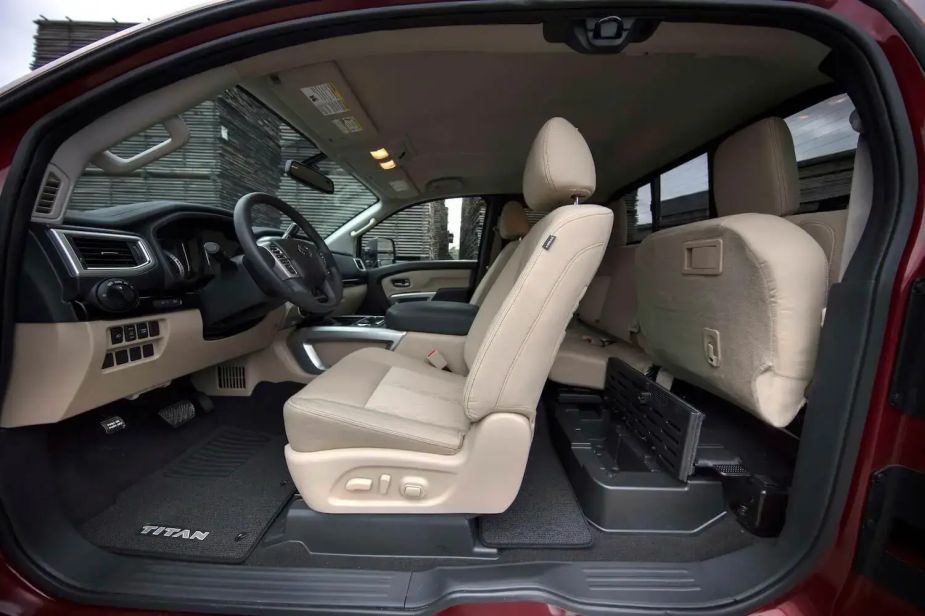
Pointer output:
859, 201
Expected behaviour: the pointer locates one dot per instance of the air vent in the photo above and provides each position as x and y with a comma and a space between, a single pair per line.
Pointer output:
360, 265
45, 204
101, 252
231, 376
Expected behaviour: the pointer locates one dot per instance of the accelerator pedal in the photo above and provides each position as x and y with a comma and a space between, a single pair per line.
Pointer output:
178, 413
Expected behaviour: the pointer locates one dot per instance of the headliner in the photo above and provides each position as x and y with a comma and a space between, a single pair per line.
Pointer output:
464, 102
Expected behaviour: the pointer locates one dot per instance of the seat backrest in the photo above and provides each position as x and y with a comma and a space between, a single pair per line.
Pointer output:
828, 229
512, 225
767, 147
610, 303
734, 304
517, 331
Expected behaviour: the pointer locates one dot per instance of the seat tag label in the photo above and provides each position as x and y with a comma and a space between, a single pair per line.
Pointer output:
549, 242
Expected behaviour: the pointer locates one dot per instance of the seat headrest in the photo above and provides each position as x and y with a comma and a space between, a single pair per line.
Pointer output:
559, 168
755, 171
513, 223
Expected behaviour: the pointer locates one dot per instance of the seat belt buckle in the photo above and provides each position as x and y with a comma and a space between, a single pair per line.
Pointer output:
436, 359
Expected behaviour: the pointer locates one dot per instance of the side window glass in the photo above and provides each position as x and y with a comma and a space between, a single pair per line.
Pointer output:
447, 229
638, 213
825, 144
685, 193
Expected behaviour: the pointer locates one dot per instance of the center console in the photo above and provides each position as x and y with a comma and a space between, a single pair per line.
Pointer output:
423, 326
358, 320
318, 347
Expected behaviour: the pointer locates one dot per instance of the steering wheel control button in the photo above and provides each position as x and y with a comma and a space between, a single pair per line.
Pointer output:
359, 484
116, 335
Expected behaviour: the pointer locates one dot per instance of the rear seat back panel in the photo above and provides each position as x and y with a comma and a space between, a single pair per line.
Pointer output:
745, 328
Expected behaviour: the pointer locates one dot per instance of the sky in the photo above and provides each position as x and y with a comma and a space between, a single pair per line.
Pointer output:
17, 27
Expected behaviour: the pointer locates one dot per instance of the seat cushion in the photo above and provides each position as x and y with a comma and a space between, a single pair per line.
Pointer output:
377, 398
582, 357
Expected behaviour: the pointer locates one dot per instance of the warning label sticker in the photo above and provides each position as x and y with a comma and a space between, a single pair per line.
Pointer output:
347, 125
326, 98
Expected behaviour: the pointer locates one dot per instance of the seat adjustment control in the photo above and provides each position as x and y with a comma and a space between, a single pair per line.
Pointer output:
359, 484
412, 489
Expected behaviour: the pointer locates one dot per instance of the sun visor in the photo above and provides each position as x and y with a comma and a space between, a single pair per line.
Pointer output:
326, 102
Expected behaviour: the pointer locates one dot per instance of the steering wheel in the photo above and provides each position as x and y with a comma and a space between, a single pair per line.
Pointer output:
303, 272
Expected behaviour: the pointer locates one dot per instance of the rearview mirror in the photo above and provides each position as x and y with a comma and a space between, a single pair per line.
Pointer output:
309, 176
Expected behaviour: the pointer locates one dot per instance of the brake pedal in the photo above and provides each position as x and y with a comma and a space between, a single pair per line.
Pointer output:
178, 413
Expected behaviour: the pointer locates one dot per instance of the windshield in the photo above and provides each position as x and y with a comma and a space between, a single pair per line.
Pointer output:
236, 146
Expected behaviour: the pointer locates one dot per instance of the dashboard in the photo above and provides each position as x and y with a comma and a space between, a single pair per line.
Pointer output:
122, 300
145, 259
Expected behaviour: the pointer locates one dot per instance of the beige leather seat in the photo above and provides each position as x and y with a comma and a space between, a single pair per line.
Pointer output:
769, 144
605, 324
380, 433
512, 225
735, 304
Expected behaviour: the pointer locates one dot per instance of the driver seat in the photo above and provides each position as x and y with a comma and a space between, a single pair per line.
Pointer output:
384, 433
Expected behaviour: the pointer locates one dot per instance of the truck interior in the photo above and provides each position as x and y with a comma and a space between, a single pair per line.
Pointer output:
553, 304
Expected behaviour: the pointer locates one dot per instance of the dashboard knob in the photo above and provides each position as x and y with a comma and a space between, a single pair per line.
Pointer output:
115, 295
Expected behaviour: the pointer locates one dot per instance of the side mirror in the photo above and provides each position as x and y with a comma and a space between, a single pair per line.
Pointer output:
378, 251
309, 176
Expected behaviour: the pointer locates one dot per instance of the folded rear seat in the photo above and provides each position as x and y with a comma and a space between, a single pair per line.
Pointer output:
606, 319
734, 304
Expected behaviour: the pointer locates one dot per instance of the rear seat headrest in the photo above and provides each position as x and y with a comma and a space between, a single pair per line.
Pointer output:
513, 223
559, 167
755, 171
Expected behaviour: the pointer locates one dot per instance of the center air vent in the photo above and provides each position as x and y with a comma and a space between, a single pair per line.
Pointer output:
45, 204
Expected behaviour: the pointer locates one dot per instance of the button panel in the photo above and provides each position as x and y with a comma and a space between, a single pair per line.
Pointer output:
130, 342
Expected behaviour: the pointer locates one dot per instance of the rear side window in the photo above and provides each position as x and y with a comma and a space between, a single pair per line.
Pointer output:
685, 193
638, 205
825, 143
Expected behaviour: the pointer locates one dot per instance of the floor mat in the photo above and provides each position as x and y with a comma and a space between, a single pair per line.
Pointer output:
212, 503
546, 513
